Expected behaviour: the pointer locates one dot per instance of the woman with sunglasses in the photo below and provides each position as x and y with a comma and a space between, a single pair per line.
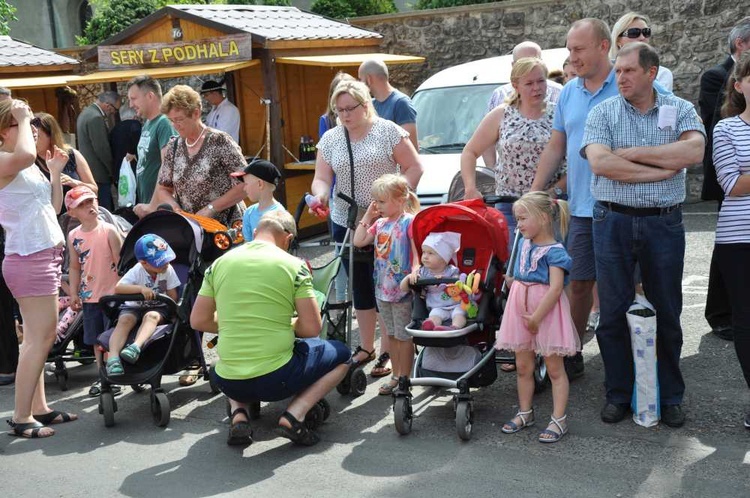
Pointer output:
633, 27
33, 255
50, 136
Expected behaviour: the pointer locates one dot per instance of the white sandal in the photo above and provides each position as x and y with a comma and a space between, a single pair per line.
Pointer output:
524, 422
554, 436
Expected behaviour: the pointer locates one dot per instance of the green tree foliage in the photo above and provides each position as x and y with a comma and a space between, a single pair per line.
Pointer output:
111, 17
339, 9
7, 15
438, 4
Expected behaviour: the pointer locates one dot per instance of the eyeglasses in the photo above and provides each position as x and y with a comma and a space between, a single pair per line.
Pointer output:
346, 110
636, 33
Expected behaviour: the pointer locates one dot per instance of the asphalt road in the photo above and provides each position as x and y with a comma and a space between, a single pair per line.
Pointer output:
362, 455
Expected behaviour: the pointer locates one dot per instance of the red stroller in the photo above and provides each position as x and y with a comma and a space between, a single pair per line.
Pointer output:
463, 358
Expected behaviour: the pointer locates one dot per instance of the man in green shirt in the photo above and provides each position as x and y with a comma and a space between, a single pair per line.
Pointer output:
249, 297
144, 95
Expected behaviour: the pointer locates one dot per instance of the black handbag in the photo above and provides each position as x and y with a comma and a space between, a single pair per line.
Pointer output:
364, 254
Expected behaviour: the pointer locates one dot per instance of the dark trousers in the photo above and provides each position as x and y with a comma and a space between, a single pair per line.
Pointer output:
657, 243
105, 196
8, 339
733, 263
718, 306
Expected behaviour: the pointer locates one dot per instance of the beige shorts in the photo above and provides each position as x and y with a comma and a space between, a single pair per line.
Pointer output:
396, 316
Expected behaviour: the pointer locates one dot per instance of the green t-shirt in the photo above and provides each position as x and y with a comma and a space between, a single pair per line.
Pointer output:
154, 136
255, 286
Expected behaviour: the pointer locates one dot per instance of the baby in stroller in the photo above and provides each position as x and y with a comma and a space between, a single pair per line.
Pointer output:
438, 254
151, 275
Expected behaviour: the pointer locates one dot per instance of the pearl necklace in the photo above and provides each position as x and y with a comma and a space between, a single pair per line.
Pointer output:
196, 140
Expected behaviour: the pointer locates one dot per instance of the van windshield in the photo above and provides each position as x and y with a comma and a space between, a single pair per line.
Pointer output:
447, 117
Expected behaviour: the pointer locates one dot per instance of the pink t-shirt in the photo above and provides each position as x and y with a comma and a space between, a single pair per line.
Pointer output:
98, 268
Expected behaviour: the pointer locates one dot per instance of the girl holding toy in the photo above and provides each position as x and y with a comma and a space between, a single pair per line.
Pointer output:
537, 316
387, 225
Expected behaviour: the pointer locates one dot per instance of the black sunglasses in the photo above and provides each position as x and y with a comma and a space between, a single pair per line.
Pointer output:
636, 32
37, 123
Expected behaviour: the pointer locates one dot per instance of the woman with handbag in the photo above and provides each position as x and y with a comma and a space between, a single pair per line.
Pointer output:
361, 150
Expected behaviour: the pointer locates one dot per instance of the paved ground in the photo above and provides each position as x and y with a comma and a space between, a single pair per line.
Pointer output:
361, 454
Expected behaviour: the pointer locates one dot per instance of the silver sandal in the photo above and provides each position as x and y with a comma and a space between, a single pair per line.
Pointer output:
524, 422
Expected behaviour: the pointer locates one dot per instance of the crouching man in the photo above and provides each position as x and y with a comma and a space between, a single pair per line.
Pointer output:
249, 297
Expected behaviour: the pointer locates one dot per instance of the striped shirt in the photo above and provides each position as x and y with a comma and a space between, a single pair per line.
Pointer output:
616, 124
731, 157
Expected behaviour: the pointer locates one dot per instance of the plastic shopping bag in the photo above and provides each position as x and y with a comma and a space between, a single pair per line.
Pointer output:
126, 188
641, 318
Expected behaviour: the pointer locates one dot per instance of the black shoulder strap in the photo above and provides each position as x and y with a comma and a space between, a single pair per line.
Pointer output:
351, 163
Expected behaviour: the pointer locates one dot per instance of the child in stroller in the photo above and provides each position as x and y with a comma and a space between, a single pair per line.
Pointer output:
438, 252
150, 276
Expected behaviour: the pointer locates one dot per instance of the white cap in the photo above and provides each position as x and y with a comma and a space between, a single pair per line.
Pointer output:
446, 244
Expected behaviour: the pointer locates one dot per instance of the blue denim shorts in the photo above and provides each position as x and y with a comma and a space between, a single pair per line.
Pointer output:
580, 246
311, 360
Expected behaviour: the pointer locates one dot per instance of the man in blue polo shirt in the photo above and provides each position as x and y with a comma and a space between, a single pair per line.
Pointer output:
639, 144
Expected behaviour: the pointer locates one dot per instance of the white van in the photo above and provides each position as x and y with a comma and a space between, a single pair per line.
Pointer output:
450, 105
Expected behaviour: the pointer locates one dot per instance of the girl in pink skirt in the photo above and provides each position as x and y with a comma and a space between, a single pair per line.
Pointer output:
537, 315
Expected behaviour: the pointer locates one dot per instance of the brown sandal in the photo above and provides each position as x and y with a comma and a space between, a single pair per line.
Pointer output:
380, 369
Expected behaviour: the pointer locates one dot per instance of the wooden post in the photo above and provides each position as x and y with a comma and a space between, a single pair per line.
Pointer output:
271, 93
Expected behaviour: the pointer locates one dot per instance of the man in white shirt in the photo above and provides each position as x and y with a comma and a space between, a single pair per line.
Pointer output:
224, 115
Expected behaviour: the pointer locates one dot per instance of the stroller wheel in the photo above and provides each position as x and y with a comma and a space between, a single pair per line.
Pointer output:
359, 382
108, 407
314, 417
345, 386
326, 406
160, 409
541, 378
464, 420
62, 379
402, 414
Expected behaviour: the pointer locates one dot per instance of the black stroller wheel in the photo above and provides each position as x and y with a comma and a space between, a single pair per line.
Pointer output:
108, 407
326, 406
359, 382
402, 414
314, 417
541, 378
160, 409
345, 386
464, 420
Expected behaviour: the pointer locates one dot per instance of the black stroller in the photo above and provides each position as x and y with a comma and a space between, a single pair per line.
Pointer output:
174, 346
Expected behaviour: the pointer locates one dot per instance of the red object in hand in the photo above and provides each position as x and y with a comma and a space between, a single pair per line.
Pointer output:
317, 207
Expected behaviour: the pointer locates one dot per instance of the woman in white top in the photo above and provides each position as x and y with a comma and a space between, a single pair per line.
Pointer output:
378, 147
633, 27
29, 204
731, 256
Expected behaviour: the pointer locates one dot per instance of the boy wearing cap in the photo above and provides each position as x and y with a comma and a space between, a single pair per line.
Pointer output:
438, 251
94, 253
261, 178
150, 276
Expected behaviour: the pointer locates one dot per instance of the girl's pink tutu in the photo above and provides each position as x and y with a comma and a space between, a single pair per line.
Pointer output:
557, 334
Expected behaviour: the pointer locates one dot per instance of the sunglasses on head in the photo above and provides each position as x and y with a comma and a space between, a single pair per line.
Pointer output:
636, 32
37, 123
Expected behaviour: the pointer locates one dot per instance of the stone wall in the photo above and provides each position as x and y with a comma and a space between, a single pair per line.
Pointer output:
691, 35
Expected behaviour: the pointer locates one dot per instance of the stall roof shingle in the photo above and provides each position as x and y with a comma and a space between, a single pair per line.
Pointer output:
14, 53
277, 23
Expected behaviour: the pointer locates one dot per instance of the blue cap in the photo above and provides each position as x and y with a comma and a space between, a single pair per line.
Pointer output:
153, 250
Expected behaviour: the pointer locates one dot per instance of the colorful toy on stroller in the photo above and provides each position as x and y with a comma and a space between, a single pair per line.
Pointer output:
174, 346
458, 358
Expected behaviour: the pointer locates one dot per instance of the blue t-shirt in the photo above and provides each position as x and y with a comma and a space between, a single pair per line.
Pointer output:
397, 108
252, 216
533, 261
573, 108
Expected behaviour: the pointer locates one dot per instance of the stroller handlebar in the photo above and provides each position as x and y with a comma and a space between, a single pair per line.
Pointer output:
111, 303
424, 282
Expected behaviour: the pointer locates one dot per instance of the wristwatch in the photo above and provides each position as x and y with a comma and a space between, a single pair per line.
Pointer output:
211, 208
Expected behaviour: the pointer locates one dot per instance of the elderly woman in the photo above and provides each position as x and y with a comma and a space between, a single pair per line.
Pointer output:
33, 255
49, 135
195, 173
633, 27
378, 147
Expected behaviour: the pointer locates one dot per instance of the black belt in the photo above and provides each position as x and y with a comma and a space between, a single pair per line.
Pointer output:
639, 212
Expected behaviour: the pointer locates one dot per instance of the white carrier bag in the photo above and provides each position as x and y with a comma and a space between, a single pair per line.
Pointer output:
126, 185
642, 323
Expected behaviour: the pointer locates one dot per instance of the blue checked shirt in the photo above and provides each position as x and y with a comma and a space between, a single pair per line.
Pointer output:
615, 123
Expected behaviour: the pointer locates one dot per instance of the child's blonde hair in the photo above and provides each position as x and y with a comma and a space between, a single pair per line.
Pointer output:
395, 187
541, 205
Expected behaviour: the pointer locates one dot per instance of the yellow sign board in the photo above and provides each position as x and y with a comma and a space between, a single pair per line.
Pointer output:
209, 50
